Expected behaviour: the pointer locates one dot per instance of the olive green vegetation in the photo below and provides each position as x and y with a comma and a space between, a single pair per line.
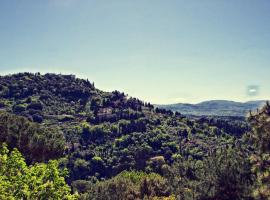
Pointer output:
116, 147
38, 181
127, 185
261, 157
35, 141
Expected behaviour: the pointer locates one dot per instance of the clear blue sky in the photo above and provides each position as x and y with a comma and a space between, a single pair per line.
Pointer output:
160, 51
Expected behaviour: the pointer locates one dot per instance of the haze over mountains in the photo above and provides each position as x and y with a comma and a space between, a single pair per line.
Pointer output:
215, 108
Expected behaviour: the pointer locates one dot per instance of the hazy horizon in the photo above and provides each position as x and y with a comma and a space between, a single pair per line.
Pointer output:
160, 52
83, 77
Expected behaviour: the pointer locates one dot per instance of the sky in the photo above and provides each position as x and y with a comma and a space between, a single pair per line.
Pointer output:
159, 51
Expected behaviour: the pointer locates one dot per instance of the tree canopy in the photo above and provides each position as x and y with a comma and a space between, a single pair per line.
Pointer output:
38, 181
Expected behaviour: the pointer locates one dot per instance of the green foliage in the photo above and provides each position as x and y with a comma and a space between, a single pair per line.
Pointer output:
224, 174
127, 185
34, 141
97, 159
39, 181
19, 108
103, 135
260, 137
95, 133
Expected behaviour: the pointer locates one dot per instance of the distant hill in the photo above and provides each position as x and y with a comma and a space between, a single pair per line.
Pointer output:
215, 108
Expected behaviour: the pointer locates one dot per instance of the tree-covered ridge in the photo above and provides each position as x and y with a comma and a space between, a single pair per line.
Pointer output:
107, 133
105, 139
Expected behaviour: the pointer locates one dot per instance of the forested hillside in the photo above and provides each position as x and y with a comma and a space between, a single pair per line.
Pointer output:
116, 147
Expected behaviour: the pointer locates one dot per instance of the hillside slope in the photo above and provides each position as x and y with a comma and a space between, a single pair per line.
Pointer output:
215, 108
104, 133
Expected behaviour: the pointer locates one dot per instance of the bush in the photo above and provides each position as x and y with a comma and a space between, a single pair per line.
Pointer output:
35, 106
37, 118
19, 108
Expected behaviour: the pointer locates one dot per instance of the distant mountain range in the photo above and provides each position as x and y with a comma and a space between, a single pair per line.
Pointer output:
215, 108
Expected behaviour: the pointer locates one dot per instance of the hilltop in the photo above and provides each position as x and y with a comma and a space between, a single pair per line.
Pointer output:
89, 117
216, 108
97, 134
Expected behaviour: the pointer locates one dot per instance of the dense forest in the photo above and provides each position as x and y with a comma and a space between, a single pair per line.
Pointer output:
62, 138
